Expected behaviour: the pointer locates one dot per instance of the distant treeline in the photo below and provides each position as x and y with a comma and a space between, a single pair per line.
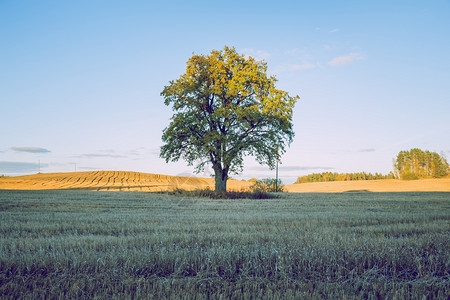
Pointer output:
412, 164
416, 163
329, 176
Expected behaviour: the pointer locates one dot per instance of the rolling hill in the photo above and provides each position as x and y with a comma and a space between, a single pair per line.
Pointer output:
109, 181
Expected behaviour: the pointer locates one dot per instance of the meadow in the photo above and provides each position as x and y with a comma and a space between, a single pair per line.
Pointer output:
85, 244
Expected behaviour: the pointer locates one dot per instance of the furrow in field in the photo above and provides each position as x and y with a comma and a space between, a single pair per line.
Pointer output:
93, 179
139, 179
110, 176
116, 175
84, 180
69, 182
106, 179
134, 178
78, 180
122, 178
99, 178
127, 179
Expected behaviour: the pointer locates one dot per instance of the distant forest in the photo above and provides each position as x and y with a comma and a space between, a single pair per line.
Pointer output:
408, 165
415, 164
329, 176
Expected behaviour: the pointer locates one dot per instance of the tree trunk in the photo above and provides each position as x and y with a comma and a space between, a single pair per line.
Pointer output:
221, 177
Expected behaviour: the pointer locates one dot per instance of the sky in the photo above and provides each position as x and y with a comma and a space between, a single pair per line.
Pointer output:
80, 81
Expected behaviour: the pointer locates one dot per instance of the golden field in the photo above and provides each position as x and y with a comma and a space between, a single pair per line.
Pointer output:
111, 181
384, 185
135, 181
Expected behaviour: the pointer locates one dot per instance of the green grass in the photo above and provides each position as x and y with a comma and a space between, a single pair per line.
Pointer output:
79, 244
206, 193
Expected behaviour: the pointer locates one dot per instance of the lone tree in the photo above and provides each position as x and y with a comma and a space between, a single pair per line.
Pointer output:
226, 107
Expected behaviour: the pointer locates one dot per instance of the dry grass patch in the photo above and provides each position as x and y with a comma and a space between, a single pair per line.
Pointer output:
207, 193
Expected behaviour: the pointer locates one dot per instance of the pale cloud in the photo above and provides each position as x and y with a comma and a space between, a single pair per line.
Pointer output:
354, 151
329, 46
292, 168
137, 152
108, 150
30, 149
256, 54
346, 59
367, 150
303, 168
295, 67
20, 167
334, 30
99, 155
88, 168
304, 66
294, 51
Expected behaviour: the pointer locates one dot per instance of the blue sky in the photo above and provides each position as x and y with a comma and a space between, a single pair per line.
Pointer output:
80, 81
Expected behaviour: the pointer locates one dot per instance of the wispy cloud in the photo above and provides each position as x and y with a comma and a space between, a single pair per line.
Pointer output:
98, 155
295, 67
142, 151
292, 168
30, 149
304, 66
108, 151
294, 51
257, 54
367, 150
136, 152
19, 167
87, 168
334, 30
304, 168
346, 59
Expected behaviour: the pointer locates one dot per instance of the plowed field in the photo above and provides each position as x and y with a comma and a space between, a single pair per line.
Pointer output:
106, 181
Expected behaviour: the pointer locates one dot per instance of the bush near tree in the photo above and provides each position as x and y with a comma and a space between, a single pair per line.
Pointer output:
268, 185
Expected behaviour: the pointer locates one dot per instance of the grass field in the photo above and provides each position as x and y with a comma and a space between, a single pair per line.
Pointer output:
81, 244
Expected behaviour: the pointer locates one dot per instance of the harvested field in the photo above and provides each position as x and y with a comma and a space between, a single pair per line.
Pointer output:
134, 181
109, 181
386, 185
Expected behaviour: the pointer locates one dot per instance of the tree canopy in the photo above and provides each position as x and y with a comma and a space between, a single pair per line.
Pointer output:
416, 163
226, 106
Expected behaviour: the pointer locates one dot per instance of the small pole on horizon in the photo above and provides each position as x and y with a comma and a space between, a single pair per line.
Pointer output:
276, 177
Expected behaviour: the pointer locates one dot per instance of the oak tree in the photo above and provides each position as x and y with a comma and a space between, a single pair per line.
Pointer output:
226, 106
